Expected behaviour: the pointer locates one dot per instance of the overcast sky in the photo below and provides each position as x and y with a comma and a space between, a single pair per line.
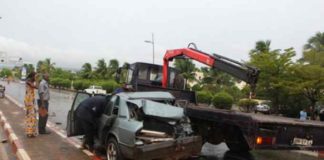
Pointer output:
72, 32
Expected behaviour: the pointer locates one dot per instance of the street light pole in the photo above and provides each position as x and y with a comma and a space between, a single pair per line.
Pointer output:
151, 42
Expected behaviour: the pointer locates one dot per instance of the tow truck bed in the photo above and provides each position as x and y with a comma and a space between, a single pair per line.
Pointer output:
257, 131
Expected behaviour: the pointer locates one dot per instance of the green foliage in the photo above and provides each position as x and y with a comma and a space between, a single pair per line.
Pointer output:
60, 83
247, 104
308, 80
112, 67
204, 97
275, 67
16, 72
45, 66
313, 57
81, 84
5, 72
223, 100
186, 67
261, 47
109, 86
61, 73
102, 70
215, 81
316, 42
197, 87
86, 71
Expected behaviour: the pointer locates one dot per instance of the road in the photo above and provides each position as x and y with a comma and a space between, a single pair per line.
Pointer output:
61, 102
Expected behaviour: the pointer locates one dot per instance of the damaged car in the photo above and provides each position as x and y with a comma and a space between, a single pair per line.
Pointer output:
141, 125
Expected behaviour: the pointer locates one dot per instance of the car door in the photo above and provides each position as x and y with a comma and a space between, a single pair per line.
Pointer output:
73, 127
107, 119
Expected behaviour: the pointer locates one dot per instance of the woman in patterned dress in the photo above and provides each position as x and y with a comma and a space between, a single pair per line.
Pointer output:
31, 121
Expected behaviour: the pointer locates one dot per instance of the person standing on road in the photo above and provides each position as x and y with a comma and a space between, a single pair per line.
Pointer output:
29, 100
44, 97
303, 115
86, 113
321, 114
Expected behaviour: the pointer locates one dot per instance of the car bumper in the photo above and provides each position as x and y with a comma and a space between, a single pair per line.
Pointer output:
179, 148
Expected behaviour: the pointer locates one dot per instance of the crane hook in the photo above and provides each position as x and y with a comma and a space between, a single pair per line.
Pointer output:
193, 44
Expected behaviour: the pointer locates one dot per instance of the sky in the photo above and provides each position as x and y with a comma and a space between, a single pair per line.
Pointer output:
74, 32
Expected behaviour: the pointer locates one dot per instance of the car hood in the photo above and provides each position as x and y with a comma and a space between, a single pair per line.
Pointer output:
161, 110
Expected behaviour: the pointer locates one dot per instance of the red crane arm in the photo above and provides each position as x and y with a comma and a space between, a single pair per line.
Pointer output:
237, 69
187, 52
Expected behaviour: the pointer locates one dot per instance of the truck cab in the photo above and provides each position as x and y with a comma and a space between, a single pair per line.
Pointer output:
140, 73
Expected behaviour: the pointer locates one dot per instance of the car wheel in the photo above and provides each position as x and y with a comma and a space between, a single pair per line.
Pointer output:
113, 151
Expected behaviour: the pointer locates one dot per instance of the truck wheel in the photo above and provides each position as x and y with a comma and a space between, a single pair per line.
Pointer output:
113, 151
235, 140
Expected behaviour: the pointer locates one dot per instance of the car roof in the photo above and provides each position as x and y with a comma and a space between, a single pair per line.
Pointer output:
147, 95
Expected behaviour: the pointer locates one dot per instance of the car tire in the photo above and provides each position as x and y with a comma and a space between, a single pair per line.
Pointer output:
112, 150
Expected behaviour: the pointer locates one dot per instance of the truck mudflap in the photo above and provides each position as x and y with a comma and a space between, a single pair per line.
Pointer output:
175, 149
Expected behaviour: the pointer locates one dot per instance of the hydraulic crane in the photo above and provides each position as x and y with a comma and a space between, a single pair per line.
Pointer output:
239, 70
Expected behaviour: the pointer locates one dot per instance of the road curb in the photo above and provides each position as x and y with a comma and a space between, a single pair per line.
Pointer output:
16, 145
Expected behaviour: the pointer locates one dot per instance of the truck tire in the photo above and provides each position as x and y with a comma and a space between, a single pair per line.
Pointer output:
113, 151
235, 140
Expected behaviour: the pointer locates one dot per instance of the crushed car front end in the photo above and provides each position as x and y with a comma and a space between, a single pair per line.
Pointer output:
165, 132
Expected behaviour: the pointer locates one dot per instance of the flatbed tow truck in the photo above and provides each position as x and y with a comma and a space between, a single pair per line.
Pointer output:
240, 131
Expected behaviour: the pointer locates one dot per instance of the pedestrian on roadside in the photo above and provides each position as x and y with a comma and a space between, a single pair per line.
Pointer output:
303, 115
44, 97
312, 113
29, 100
321, 114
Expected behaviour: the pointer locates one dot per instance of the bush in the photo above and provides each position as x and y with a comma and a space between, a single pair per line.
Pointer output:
60, 83
247, 104
109, 86
81, 84
223, 100
196, 87
204, 97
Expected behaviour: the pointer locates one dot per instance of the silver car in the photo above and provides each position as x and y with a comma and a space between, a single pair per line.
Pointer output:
141, 125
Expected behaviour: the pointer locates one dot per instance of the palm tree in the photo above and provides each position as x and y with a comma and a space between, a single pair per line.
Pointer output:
215, 80
316, 42
45, 66
314, 50
186, 67
261, 47
113, 66
39, 66
102, 70
86, 71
